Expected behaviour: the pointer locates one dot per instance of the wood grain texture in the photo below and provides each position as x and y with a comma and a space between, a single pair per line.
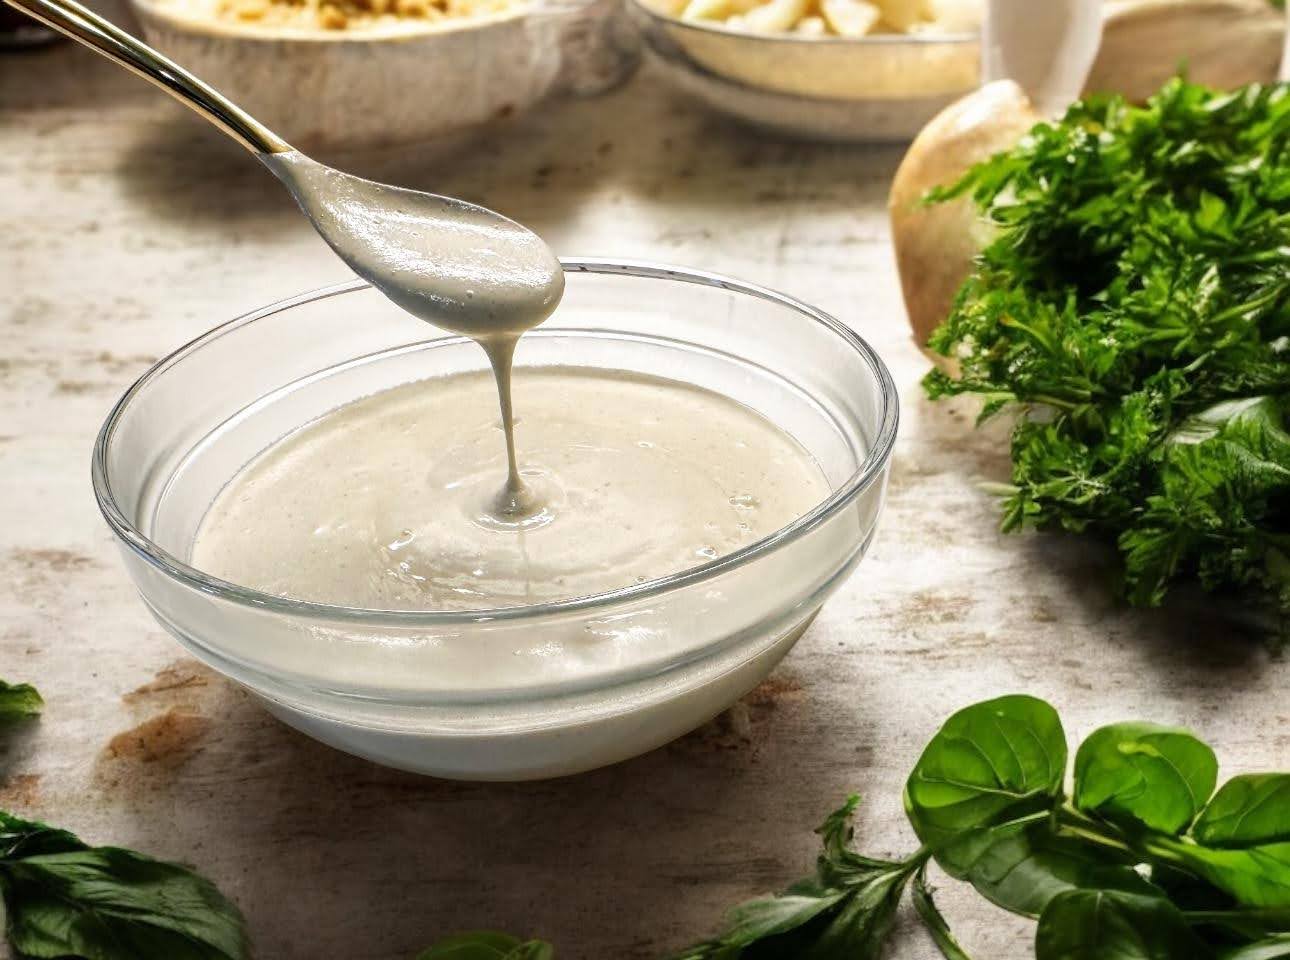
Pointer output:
126, 229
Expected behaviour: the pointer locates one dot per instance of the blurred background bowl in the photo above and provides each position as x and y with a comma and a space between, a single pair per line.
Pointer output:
386, 85
883, 87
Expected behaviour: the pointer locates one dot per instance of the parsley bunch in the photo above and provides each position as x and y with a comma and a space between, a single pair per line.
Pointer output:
1134, 306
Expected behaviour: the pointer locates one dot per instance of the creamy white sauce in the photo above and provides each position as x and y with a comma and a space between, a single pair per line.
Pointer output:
389, 502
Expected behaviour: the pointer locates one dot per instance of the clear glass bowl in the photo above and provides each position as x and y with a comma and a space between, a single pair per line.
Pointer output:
657, 659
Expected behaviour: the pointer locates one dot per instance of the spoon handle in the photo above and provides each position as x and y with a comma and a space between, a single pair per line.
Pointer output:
85, 26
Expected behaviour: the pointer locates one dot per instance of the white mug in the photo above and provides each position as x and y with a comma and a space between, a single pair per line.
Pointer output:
1285, 57
1046, 46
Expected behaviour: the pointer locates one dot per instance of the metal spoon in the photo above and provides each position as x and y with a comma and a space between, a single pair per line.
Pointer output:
451, 263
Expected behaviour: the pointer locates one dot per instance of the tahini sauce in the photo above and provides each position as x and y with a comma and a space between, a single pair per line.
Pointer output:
388, 502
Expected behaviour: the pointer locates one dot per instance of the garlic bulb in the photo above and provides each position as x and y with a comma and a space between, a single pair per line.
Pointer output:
1221, 43
935, 244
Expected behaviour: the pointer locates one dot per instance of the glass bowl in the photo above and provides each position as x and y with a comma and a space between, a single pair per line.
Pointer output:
655, 659
880, 88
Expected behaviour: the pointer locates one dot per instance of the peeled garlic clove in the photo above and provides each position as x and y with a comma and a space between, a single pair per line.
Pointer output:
812, 27
850, 18
775, 16
904, 15
935, 245
706, 10
1219, 43
956, 16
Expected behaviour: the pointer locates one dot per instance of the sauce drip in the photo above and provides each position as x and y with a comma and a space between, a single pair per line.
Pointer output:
450, 263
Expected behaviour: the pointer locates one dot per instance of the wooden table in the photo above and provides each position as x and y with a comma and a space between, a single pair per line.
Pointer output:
126, 228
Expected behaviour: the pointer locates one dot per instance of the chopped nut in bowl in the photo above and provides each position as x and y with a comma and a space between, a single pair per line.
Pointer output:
355, 15
361, 73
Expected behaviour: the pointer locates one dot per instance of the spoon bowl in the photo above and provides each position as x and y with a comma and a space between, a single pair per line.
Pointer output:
459, 266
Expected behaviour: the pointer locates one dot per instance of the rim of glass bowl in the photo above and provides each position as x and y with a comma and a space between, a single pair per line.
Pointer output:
869, 40
876, 457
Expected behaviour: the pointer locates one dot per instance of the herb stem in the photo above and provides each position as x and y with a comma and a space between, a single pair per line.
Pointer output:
1269, 916
1072, 823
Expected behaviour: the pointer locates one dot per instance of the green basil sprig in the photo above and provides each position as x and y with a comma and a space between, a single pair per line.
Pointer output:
63, 898
1141, 860
485, 945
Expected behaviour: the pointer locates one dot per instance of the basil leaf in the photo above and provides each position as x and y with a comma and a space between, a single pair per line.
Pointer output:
1112, 925
935, 923
486, 945
20, 838
18, 701
994, 761
1241, 925
1022, 866
1247, 810
809, 922
837, 831
1258, 876
1158, 776
859, 930
1275, 948
477, 945
770, 917
533, 950
113, 904
839, 865
843, 912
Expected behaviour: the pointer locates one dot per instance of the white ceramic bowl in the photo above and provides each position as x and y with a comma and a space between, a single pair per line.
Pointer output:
656, 659
387, 85
877, 88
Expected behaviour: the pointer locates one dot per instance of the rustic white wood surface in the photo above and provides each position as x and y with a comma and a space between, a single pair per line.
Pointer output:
127, 228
